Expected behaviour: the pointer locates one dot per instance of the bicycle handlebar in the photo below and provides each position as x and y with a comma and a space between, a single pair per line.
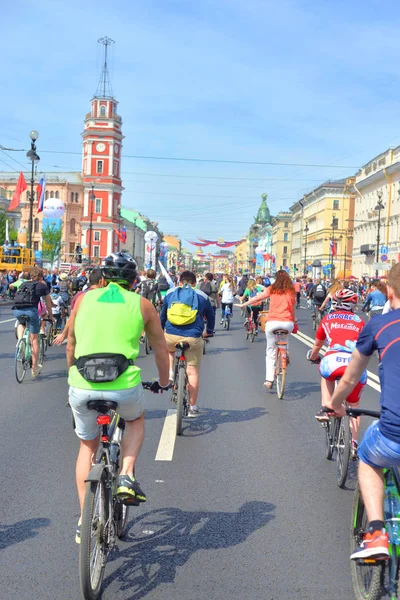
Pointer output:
357, 412
155, 387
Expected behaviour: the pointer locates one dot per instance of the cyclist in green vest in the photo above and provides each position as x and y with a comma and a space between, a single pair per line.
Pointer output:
110, 320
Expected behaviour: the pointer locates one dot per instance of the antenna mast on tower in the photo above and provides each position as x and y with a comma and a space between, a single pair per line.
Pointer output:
104, 89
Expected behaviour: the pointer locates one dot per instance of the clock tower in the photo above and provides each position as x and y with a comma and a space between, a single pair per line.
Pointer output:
101, 169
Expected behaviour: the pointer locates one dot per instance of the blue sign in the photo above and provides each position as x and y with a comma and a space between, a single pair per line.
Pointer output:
325, 270
384, 249
287, 269
384, 257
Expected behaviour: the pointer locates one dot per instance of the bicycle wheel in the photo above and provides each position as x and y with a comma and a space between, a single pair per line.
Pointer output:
121, 512
146, 344
179, 399
252, 334
228, 323
41, 350
343, 451
93, 548
329, 428
19, 361
204, 346
225, 325
280, 375
367, 577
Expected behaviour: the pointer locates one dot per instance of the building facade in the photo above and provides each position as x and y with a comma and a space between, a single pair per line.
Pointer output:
378, 182
281, 240
174, 250
322, 228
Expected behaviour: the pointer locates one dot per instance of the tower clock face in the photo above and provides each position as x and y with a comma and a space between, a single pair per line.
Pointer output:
100, 147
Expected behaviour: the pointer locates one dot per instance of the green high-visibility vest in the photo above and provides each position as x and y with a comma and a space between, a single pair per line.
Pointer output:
109, 320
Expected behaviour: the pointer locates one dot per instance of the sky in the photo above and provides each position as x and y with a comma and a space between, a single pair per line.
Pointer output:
305, 82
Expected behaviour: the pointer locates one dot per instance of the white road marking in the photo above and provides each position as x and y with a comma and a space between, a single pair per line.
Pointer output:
8, 321
165, 450
373, 380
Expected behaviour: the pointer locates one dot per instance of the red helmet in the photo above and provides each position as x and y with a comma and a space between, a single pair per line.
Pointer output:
344, 300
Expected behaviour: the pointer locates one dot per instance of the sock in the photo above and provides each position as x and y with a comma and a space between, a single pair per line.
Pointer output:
375, 526
194, 406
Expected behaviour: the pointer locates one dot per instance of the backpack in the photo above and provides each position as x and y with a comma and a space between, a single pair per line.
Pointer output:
320, 292
267, 282
148, 290
26, 295
163, 284
183, 306
75, 285
206, 288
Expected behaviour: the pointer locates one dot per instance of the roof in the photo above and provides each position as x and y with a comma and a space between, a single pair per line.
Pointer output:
134, 217
51, 177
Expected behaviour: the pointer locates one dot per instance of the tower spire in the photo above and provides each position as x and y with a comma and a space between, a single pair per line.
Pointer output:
104, 89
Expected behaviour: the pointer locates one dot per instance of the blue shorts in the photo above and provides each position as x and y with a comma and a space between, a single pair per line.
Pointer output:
377, 450
33, 314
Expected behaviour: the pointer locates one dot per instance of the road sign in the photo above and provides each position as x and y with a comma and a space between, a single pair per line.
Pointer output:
380, 267
384, 249
384, 258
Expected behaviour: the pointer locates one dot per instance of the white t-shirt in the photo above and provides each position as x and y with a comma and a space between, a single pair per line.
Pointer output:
227, 294
56, 302
387, 308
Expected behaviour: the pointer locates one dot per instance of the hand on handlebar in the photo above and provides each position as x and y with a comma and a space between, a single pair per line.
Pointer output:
155, 387
207, 335
338, 412
315, 361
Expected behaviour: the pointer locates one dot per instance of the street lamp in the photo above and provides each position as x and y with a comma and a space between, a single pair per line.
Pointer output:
334, 225
33, 157
91, 198
306, 230
378, 207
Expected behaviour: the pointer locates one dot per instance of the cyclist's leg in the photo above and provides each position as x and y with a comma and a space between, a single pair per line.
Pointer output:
222, 311
354, 399
193, 359
330, 372
270, 326
171, 341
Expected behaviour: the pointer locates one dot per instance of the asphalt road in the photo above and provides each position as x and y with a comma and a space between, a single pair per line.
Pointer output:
248, 507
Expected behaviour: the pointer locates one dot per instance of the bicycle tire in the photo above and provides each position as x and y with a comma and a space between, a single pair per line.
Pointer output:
280, 376
146, 344
41, 351
204, 346
121, 514
90, 586
179, 399
367, 578
19, 361
329, 429
252, 336
228, 323
343, 451
224, 323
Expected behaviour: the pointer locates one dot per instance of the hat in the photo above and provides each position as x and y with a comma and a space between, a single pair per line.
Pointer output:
63, 277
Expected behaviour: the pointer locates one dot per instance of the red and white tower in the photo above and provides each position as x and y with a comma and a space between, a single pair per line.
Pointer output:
101, 169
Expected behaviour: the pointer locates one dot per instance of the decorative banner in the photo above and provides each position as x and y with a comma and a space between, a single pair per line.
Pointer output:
266, 256
198, 244
220, 243
164, 253
166, 275
53, 208
258, 251
150, 237
121, 234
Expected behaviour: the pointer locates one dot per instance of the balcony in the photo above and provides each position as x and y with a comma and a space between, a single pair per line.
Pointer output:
367, 249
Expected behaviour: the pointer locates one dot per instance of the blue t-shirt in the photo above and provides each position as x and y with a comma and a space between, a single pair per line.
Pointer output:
382, 333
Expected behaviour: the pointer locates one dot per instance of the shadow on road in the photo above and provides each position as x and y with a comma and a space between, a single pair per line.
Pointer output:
210, 418
156, 414
55, 375
221, 350
165, 539
296, 390
18, 532
7, 356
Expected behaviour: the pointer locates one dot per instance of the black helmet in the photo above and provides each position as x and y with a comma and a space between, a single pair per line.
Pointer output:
119, 267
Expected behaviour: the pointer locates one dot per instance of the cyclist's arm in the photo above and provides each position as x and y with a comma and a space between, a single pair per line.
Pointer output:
157, 341
325, 302
351, 377
49, 306
257, 299
367, 302
71, 343
316, 348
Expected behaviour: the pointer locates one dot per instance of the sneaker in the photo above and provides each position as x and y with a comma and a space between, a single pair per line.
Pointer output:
129, 489
322, 416
193, 412
35, 372
221, 322
78, 531
374, 545
354, 450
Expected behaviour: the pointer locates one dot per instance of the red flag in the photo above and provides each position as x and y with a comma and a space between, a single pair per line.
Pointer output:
21, 187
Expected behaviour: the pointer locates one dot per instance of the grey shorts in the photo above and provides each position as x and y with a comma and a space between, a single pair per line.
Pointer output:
131, 405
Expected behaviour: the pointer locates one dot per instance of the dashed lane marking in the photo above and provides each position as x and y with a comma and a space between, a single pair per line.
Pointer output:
7, 321
373, 380
165, 450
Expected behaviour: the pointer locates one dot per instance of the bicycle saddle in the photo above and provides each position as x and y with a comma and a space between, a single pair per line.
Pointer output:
280, 332
102, 406
182, 345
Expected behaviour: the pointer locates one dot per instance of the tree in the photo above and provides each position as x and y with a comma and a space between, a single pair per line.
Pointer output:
51, 241
12, 233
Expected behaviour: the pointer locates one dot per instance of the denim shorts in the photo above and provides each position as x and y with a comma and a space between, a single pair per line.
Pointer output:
131, 405
33, 314
377, 450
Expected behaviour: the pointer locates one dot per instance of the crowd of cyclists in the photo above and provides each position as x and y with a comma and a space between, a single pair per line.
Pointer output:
174, 308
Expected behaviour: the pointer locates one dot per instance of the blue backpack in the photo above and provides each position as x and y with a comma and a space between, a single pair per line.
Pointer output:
183, 306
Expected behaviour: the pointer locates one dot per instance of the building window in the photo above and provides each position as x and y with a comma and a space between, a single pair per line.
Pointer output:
102, 111
286, 224
100, 166
36, 226
27, 196
285, 237
336, 205
97, 236
76, 197
72, 196
115, 170
284, 249
72, 249
46, 196
97, 207
96, 251
36, 246
51, 194
56, 195
284, 262
72, 224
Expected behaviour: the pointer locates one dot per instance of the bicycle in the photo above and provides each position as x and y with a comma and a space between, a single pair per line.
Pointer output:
339, 440
317, 317
104, 517
180, 392
42, 344
373, 579
281, 360
227, 318
250, 325
23, 353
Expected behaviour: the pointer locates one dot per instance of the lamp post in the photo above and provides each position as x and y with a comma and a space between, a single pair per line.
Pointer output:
33, 157
378, 207
91, 198
334, 226
306, 230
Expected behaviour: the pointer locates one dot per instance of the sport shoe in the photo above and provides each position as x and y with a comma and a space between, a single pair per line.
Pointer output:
129, 489
374, 545
78, 531
354, 450
322, 416
35, 372
193, 412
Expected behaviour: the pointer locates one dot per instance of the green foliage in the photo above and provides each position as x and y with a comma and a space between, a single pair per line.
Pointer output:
51, 242
12, 233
